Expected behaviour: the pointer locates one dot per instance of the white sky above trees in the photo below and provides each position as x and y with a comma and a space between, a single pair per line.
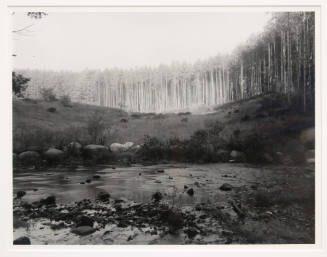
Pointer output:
77, 41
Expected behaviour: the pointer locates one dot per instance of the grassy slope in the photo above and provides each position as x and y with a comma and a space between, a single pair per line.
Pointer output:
33, 117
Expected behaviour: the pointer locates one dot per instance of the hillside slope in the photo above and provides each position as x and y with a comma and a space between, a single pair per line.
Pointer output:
265, 116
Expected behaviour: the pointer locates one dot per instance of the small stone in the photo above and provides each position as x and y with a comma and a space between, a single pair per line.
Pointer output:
185, 187
88, 181
190, 192
83, 230
226, 187
190, 232
96, 176
160, 171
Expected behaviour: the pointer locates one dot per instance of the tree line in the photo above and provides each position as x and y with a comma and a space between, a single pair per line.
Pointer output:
281, 59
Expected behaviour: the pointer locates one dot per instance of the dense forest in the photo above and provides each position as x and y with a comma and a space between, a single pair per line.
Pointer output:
281, 59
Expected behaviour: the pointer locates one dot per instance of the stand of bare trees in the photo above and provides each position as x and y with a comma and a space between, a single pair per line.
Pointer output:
281, 59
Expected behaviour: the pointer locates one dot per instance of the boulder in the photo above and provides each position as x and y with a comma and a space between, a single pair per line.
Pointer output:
226, 187
50, 200
29, 158
95, 152
103, 196
129, 145
307, 137
83, 230
54, 155
190, 192
116, 147
237, 156
24, 240
157, 196
74, 149
84, 221
20, 194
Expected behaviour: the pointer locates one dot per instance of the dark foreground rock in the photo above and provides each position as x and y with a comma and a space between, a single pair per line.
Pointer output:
82, 221
226, 187
157, 196
190, 192
24, 240
83, 230
103, 196
50, 200
20, 194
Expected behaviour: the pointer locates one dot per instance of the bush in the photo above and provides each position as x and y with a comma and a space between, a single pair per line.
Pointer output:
19, 84
66, 101
48, 95
97, 129
245, 118
175, 150
51, 109
153, 149
196, 149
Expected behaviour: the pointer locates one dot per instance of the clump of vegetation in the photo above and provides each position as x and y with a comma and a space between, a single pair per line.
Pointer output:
48, 95
51, 109
153, 149
245, 118
96, 128
184, 113
19, 84
66, 101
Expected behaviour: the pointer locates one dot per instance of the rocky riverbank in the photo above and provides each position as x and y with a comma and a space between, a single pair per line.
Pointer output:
225, 206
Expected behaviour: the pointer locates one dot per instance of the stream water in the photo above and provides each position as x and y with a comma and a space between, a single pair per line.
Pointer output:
136, 183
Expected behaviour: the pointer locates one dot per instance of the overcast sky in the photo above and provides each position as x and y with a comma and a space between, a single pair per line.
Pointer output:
77, 41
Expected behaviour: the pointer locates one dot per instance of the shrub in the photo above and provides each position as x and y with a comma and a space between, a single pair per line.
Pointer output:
48, 94
19, 84
175, 150
66, 101
153, 149
97, 129
184, 113
245, 118
196, 148
136, 115
52, 109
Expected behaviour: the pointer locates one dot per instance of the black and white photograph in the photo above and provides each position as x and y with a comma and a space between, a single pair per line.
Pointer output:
163, 127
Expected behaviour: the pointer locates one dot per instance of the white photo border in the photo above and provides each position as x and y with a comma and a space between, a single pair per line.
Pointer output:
6, 235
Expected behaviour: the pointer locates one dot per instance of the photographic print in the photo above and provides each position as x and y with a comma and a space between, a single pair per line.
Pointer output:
165, 128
